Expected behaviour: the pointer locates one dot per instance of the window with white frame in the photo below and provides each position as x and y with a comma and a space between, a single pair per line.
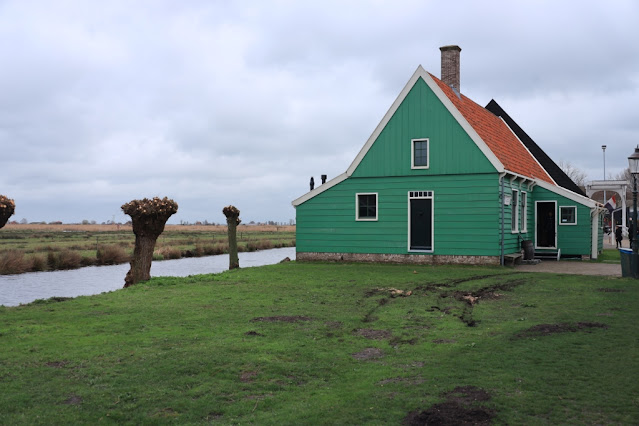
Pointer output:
524, 211
567, 215
366, 206
419, 153
514, 209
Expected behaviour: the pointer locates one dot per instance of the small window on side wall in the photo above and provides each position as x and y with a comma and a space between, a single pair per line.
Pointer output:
366, 206
419, 154
568, 215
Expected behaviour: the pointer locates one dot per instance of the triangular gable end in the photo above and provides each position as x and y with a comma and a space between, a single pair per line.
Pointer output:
457, 115
421, 73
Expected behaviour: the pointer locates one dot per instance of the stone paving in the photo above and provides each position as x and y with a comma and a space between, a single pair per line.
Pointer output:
578, 267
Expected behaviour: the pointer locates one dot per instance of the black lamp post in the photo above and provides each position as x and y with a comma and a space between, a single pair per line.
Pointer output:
633, 163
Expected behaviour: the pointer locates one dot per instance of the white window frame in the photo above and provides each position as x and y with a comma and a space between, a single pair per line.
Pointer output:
514, 212
570, 223
366, 219
523, 206
412, 153
412, 195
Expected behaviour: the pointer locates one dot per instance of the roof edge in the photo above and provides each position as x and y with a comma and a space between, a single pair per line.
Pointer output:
470, 131
382, 124
331, 183
560, 190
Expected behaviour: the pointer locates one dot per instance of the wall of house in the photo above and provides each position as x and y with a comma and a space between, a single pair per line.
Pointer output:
466, 216
571, 239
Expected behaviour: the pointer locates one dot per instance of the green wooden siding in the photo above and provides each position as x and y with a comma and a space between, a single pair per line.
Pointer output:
512, 240
466, 216
571, 239
422, 115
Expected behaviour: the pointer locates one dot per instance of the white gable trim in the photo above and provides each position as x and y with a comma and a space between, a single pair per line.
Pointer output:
568, 194
382, 124
319, 189
419, 72
490, 155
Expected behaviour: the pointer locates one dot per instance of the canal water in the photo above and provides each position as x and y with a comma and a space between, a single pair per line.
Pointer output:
25, 288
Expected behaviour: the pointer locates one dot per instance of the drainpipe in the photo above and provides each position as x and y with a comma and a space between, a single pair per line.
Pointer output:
594, 232
501, 198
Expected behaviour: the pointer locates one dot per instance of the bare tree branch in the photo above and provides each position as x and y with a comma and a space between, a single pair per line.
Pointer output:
576, 175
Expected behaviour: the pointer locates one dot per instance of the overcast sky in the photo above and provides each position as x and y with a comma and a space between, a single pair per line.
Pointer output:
214, 103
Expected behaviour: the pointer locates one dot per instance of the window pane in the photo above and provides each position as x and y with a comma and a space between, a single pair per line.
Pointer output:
568, 215
367, 206
420, 153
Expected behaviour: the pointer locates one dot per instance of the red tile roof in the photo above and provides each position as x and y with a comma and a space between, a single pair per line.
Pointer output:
497, 136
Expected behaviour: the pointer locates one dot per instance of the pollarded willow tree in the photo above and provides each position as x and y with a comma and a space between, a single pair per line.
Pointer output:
7, 208
148, 218
232, 220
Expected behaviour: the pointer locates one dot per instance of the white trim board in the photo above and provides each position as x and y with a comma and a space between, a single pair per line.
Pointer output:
568, 194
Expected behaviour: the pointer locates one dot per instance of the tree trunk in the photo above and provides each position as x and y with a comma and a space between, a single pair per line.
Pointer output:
234, 259
7, 208
232, 220
148, 218
142, 258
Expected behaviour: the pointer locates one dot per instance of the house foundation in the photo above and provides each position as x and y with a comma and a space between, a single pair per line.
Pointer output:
408, 259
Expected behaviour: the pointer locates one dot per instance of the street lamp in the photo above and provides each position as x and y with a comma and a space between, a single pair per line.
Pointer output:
603, 147
633, 163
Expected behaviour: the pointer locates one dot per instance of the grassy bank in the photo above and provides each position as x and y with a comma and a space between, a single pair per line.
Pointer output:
302, 343
26, 248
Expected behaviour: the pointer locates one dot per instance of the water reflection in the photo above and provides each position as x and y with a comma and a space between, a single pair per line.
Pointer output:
25, 288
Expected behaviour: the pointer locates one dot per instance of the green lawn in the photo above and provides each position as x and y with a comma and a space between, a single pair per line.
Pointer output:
299, 343
609, 256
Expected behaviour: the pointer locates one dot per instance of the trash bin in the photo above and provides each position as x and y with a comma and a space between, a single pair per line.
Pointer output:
628, 269
529, 249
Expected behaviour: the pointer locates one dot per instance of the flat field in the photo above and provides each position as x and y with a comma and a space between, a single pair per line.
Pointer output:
320, 343
25, 248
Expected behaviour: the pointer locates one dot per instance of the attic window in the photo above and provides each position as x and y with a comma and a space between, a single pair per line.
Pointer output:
419, 153
366, 206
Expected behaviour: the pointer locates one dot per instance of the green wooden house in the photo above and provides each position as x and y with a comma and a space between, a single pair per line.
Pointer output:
444, 180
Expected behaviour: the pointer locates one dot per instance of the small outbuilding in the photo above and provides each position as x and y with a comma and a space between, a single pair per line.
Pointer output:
445, 180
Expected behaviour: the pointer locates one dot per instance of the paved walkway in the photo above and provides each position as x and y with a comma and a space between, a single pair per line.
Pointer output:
578, 267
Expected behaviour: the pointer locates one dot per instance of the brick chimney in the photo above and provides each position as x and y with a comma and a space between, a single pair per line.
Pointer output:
450, 66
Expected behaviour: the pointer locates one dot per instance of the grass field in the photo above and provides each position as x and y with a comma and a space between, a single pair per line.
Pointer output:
300, 343
25, 248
